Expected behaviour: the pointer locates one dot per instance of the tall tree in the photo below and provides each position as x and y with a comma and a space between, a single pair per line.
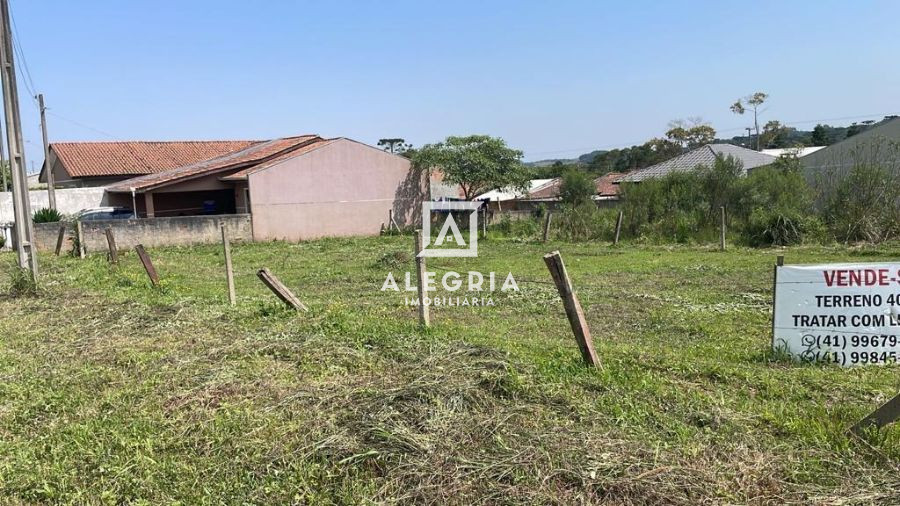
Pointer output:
753, 102
820, 136
690, 134
776, 135
477, 163
395, 145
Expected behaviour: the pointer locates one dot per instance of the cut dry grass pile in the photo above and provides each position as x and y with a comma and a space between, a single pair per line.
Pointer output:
114, 393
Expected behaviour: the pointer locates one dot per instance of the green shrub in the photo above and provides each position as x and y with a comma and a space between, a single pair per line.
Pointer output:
721, 185
865, 206
21, 283
775, 206
584, 222
672, 207
782, 227
576, 188
522, 228
46, 215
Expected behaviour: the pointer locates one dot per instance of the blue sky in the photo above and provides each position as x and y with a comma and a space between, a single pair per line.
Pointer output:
555, 79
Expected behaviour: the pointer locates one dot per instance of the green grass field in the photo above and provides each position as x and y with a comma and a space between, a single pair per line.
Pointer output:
115, 392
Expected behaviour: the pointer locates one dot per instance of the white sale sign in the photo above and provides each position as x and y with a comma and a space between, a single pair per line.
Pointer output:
848, 314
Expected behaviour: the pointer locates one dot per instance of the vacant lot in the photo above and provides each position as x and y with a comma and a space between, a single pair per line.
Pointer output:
112, 392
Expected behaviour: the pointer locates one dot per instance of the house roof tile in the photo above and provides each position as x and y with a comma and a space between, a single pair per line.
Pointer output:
606, 186
704, 155
253, 155
550, 190
126, 158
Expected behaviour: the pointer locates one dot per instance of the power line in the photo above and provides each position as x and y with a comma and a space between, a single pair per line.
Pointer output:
125, 143
82, 125
21, 61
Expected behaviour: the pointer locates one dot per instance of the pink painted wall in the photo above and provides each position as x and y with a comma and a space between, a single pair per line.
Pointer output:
342, 189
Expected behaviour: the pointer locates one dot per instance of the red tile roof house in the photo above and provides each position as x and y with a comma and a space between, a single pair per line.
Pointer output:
294, 188
607, 192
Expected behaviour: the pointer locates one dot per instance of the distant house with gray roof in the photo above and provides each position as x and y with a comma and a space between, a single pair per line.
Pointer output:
878, 145
704, 155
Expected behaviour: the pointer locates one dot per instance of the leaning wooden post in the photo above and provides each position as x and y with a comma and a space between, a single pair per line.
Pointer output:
79, 235
547, 225
885, 414
618, 228
148, 265
722, 229
573, 308
229, 272
424, 318
111, 244
60, 238
280, 290
394, 223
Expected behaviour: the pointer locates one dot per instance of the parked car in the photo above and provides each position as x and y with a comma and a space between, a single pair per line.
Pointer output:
104, 213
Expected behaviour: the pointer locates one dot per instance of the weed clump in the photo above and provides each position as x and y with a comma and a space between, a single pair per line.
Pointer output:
22, 283
393, 260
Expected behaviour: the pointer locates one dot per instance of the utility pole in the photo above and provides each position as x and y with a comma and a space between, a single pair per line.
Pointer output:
21, 205
3, 164
749, 137
51, 190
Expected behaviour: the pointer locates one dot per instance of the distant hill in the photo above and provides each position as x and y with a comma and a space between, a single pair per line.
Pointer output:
581, 160
552, 161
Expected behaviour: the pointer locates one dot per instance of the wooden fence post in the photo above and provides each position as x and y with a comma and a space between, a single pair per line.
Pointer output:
79, 235
424, 317
547, 225
148, 265
885, 414
111, 244
618, 228
722, 229
60, 238
484, 220
573, 308
779, 261
392, 223
280, 290
229, 272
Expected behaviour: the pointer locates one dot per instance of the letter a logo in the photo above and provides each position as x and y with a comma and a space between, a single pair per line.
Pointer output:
450, 225
450, 232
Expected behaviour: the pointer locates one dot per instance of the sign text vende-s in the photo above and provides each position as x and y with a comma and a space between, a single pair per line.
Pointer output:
848, 314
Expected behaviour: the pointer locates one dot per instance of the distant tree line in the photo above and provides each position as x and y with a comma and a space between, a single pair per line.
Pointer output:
773, 135
685, 135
